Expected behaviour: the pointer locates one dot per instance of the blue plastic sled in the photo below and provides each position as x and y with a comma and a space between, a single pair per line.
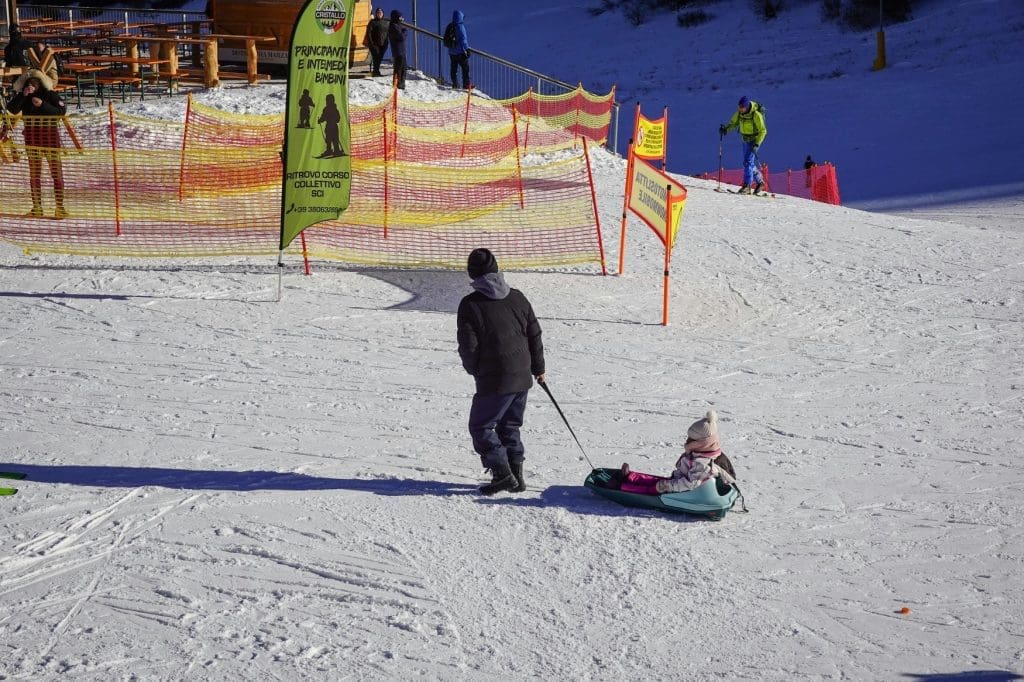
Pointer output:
703, 501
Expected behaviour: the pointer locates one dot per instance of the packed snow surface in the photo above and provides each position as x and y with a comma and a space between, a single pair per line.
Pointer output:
222, 486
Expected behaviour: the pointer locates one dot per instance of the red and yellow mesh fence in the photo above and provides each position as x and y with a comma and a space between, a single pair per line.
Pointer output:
431, 181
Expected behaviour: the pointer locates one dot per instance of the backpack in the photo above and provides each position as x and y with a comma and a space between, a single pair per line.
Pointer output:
758, 107
449, 35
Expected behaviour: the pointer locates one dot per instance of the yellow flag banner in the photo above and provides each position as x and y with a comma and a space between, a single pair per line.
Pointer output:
317, 166
649, 198
650, 137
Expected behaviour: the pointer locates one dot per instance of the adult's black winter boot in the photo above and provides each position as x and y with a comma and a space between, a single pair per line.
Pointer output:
501, 479
517, 471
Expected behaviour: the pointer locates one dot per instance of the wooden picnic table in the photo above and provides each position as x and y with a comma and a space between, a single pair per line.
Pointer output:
136, 65
62, 49
80, 67
61, 28
38, 21
168, 49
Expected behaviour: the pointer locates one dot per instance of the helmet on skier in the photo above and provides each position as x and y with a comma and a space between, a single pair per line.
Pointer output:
744, 103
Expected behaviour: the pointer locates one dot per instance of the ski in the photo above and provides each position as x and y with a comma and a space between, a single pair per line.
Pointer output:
7, 492
763, 195
14, 475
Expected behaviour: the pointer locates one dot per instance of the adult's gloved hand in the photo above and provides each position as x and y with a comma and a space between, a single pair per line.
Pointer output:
722, 130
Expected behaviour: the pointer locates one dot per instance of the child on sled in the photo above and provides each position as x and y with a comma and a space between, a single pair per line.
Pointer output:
702, 460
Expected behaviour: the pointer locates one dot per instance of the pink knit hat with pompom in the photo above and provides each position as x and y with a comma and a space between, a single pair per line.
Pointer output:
703, 434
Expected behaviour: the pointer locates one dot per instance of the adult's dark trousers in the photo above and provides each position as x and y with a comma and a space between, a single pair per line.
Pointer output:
376, 57
460, 61
494, 423
400, 66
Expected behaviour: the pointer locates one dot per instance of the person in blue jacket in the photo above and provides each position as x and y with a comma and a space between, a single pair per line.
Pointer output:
458, 53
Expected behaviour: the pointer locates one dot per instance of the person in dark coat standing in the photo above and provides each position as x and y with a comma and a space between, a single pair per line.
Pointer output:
396, 38
500, 345
376, 40
15, 52
42, 109
458, 53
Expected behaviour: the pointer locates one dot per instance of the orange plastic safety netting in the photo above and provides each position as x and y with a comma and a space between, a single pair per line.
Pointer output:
818, 183
425, 190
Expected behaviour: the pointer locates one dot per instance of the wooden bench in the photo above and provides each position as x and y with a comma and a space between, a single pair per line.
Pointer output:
67, 87
200, 75
123, 82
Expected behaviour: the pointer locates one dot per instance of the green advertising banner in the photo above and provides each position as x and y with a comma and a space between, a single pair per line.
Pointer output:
317, 165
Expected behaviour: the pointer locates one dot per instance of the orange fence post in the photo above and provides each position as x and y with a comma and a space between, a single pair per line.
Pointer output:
526, 138
384, 116
305, 253
519, 163
113, 155
664, 159
465, 121
668, 252
593, 199
576, 127
625, 205
184, 142
394, 120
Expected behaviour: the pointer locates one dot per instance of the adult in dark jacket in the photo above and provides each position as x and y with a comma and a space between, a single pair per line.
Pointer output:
396, 38
15, 52
376, 40
459, 52
41, 108
500, 345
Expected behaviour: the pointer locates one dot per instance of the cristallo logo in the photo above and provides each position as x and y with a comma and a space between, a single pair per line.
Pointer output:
331, 15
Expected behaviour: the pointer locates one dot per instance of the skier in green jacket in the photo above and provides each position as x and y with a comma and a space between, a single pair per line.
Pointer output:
750, 120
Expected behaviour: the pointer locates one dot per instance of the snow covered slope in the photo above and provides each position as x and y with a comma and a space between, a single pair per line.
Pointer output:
224, 487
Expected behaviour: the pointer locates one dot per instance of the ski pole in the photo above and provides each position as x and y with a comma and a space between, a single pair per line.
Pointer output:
544, 385
720, 137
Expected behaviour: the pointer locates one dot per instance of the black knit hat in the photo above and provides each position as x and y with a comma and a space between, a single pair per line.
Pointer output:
481, 262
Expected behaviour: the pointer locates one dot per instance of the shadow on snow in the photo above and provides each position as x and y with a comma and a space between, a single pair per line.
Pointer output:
576, 499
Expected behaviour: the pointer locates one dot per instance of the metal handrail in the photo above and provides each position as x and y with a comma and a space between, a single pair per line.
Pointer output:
500, 79
494, 58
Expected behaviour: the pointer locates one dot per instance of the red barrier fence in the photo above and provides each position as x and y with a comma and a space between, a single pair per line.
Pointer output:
818, 183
